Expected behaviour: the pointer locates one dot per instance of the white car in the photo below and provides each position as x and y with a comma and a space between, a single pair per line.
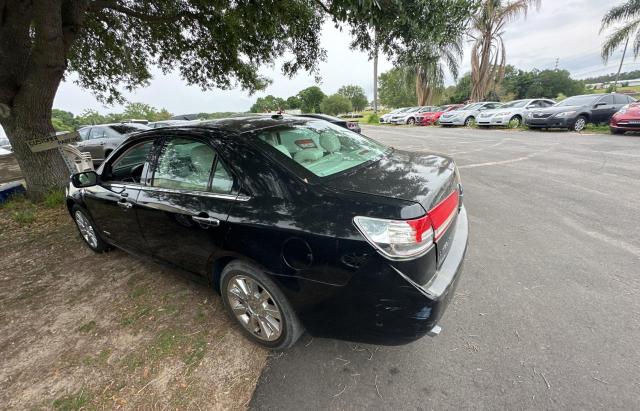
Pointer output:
468, 114
385, 118
410, 117
513, 112
397, 118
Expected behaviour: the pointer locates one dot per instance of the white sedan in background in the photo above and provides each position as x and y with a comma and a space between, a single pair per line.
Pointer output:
385, 118
513, 112
468, 114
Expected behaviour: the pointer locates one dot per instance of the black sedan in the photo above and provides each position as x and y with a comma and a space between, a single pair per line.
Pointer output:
350, 125
298, 223
575, 112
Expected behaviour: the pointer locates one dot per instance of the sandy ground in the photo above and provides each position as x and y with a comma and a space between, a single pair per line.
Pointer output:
80, 330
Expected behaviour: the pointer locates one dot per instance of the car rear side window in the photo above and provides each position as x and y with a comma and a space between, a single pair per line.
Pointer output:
321, 147
188, 164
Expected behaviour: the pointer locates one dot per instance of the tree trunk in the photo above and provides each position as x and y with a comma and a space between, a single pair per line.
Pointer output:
43, 171
34, 41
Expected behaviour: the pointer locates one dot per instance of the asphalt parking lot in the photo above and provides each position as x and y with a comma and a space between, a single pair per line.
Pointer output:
547, 315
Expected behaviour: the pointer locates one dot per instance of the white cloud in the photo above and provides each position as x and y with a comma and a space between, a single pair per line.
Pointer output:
563, 29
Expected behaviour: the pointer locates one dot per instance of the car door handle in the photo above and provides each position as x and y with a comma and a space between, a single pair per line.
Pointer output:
124, 204
211, 221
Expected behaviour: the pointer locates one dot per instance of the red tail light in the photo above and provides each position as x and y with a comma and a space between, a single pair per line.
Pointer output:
442, 214
403, 239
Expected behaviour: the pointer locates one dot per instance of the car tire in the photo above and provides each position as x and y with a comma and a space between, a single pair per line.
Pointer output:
256, 312
579, 124
469, 120
88, 230
518, 119
411, 121
616, 131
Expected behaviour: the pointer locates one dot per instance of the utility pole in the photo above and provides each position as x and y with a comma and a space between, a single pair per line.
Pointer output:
615, 85
375, 73
557, 61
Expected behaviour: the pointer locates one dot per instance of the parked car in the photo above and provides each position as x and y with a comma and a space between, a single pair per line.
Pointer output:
385, 117
627, 119
432, 117
513, 112
409, 116
166, 123
101, 140
467, 115
576, 112
297, 222
350, 125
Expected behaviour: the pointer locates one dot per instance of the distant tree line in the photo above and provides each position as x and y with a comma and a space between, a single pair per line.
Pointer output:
314, 100
629, 75
397, 90
67, 121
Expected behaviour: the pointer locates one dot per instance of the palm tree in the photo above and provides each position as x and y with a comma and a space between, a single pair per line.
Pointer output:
427, 68
488, 55
628, 15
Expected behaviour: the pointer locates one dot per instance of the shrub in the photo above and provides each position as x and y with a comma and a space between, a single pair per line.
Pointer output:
372, 119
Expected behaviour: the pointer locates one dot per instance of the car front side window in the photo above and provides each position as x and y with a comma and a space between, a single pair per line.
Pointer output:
191, 165
128, 167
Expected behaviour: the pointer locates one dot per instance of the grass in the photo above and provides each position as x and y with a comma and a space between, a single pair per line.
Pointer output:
88, 327
72, 402
55, 198
627, 89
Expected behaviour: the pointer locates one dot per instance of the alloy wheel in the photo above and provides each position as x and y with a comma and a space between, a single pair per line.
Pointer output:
411, 121
86, 229
254, 308
580, 123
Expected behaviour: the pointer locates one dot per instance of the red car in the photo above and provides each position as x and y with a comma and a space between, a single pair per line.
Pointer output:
627, 119
430, 117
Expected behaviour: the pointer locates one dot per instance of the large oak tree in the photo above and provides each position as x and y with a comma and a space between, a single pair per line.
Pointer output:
111, 46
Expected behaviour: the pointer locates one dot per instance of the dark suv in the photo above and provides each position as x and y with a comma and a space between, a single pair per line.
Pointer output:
101, 140
575, 112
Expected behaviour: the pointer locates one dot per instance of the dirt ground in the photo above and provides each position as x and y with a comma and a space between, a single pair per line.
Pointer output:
80, 330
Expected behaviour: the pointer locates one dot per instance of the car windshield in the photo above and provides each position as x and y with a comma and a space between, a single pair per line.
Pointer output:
321, 147
578, 101
516, 104
472, 106
129, 128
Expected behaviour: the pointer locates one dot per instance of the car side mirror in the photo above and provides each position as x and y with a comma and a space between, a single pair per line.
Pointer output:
84, 179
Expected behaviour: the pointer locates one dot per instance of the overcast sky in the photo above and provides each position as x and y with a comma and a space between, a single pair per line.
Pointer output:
563, 29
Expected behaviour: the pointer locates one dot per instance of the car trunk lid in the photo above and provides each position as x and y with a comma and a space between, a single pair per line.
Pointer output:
427, 179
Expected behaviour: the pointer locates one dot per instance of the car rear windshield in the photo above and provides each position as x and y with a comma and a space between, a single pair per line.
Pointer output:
578, 101
321, 147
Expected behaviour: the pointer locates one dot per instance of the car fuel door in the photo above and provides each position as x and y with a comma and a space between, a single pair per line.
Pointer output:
184, 208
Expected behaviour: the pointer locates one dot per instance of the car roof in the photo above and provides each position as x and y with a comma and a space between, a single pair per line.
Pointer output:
320, 116
114, 124
246, 124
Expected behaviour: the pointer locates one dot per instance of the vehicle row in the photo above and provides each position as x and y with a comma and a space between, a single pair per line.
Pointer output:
573, 113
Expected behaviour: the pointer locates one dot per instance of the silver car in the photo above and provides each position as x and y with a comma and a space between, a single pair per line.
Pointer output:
101, 140
385, 117
513, 112
468, 114
410, 116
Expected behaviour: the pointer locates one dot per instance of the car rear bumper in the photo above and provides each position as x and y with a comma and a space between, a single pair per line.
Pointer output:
384, 306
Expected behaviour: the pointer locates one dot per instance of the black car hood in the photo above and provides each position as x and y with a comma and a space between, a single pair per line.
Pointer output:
554, 110
422, 178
